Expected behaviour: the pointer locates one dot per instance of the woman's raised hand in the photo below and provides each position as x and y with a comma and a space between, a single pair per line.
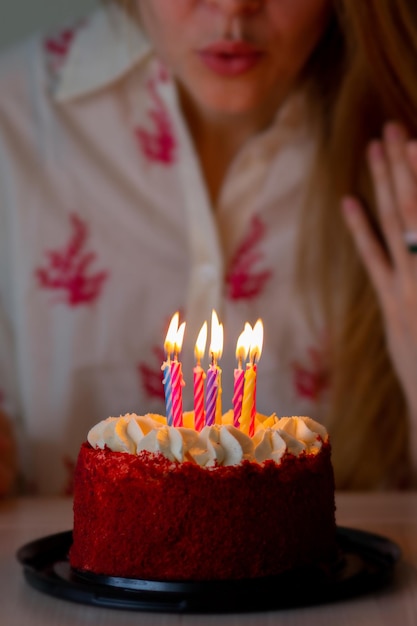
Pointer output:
393, 270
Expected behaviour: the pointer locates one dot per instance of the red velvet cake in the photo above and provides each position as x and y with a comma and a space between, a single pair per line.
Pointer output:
173, 504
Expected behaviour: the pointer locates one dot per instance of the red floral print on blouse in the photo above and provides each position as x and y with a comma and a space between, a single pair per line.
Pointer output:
151, 376
158, 143
311, 381
69, 270
58, 45
243, 280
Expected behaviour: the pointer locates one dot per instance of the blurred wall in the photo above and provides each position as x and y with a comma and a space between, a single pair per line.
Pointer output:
19, 18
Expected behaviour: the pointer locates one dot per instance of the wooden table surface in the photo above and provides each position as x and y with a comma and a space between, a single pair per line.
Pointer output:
393, 515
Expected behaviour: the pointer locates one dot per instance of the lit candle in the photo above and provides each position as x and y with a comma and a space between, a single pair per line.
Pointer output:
173, 380
177, 379
219, 410
166, 365
242, 349
247, 418
199, 377
213, 389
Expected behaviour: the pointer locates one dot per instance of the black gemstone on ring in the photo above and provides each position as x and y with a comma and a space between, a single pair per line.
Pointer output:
412, 247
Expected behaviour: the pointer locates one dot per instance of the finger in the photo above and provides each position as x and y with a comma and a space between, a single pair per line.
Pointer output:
403, 177
386, 205
369, 248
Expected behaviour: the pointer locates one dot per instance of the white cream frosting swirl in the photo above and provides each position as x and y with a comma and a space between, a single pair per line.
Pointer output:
220, 444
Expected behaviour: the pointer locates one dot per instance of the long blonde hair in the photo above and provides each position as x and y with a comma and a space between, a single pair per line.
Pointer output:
367, 418
362, 74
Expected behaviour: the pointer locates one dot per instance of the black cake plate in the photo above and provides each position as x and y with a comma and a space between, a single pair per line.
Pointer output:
366, 563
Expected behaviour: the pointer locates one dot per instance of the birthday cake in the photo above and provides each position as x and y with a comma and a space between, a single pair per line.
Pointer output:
202, 496
158, 502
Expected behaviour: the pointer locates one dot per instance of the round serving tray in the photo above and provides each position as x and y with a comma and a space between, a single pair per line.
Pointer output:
367, 562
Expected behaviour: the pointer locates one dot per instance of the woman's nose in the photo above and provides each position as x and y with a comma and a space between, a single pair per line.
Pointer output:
236, 7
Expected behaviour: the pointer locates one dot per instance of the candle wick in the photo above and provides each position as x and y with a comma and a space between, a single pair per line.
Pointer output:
213, 360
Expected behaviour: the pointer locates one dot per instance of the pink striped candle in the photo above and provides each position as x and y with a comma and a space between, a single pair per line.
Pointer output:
211, 394
253, 411
173, 380
239, 378
199, 416
176, 387
199, 376
213, 388
242, 349
219, 407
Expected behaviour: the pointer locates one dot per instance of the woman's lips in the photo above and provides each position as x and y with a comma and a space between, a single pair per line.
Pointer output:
230, 58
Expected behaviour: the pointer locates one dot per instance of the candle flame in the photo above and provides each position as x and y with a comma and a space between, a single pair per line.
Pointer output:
257, 341
171, 334
179, 339
216, 345
175, 336
243, 343
200, 344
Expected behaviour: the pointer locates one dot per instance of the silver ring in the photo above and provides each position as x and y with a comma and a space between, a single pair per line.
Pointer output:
410, 240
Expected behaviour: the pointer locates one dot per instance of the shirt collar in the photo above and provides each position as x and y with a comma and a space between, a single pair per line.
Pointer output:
105, 48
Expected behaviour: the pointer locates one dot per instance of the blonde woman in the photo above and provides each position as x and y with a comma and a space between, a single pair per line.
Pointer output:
252, 156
